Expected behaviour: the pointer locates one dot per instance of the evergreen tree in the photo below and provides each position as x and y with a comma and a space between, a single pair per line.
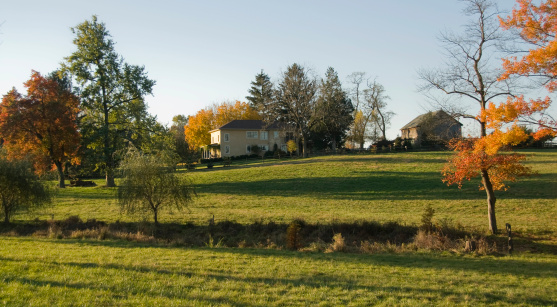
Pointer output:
333, 111
262, 97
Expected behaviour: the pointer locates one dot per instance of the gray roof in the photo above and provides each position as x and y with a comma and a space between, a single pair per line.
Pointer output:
249, 124
418, 121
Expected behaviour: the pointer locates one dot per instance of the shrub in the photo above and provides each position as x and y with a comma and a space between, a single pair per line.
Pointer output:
293, 239
427, 216
20, 188
150, 184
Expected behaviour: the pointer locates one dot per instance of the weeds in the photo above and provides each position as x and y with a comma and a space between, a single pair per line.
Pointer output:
211, 243
338, 244
363, 236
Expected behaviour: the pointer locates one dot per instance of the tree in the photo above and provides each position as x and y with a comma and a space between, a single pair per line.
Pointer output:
333, 110
359, 128
296, 95
209, 118
262, 97
181, 146
198, 127
112, 93
468, 75
291, 146
151, 185
228, 111
356, 134
376, 104
537, 27
42, 124
20, 188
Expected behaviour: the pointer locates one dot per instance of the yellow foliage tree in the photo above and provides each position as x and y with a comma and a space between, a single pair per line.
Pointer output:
205, 120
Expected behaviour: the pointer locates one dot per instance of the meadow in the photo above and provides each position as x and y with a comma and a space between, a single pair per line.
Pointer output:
38, 270
343, 188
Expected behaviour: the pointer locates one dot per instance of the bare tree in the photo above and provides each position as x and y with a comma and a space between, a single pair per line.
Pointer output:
375, 105
470, 74
357, 130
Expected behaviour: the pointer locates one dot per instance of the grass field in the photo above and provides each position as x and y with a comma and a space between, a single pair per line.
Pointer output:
388, 187
383, 187
44, 272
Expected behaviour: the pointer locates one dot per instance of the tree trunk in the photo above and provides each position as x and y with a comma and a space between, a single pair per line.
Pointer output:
6, 214
304, 147
61, 178
490, 202
110, 178
155, 213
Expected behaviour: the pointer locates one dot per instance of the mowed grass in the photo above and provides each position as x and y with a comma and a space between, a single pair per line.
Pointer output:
44, 272
344, 188
385, 187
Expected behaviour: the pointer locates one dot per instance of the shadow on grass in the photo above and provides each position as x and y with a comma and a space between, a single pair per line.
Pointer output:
317, 280
371, 186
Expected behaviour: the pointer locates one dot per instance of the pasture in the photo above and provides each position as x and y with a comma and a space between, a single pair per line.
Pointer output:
344, 188
35, 270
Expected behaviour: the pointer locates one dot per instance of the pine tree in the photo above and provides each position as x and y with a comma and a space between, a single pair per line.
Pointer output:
333, 111
262, 97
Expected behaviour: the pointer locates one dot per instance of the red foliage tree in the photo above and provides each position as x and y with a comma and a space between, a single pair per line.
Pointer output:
41, 125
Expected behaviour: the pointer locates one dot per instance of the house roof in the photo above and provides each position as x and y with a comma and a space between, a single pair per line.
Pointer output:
418, 121
248, 124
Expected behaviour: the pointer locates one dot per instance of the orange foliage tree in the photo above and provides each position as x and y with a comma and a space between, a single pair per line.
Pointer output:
537, 26
199, 125
469, 76
42, 124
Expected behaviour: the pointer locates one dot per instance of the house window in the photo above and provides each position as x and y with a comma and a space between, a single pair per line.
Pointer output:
218, 138
264, 135
276, 134
264, 147
289, 136
226, 137
248, 149
251, 134
283, 148
227, 149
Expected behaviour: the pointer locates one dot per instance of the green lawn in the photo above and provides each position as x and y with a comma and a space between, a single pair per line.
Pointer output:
45, 272
383, 187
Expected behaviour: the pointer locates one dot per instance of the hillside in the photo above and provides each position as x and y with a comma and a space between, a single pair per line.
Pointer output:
344, 188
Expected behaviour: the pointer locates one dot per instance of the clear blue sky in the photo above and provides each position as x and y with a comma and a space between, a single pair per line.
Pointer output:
202, 52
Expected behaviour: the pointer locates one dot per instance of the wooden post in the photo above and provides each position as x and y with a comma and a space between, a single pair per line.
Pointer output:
510, 239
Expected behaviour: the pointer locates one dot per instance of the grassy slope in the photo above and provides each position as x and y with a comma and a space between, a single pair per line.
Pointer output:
384, 187
380, 187
67, 272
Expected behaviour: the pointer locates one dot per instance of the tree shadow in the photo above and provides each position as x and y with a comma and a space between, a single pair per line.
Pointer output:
319, 279
382, 185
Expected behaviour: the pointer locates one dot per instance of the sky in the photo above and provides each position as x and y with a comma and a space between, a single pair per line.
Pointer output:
205, 52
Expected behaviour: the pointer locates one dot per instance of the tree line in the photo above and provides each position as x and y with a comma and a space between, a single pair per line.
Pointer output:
320, 112
93, 108
85, 114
